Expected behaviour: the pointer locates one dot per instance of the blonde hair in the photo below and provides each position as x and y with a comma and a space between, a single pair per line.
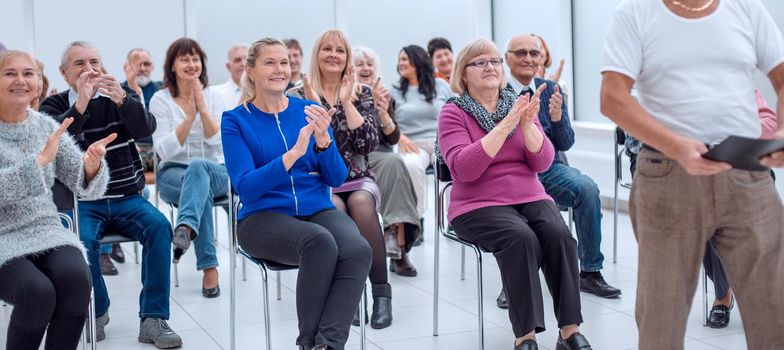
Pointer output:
315, 73
473, 49
6, 54
248, 88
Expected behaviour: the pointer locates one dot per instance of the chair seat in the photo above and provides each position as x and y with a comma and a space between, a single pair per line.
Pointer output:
452, 236
222, 201
113, 237
268, 264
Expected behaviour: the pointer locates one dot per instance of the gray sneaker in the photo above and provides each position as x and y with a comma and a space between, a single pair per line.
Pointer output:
156, 331
100, 323
181, 239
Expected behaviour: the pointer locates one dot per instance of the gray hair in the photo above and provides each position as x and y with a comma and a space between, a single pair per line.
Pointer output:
364, 51
85, 44
509, 42
234, 48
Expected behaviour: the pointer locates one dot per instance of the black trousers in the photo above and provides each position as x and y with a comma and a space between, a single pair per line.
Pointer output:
49, 289
334, 261
523, 238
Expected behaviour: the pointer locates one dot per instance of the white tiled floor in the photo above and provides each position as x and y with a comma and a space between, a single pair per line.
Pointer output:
204, 324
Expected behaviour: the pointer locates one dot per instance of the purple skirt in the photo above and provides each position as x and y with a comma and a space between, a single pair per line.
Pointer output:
362, 183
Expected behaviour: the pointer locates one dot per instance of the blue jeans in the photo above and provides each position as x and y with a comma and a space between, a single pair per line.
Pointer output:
204, 181
107, 248
137, 218
571, 188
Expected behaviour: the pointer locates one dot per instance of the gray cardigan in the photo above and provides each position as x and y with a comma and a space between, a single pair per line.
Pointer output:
28, 217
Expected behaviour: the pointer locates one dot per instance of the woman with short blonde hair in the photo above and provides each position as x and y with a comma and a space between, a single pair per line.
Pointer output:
494, 146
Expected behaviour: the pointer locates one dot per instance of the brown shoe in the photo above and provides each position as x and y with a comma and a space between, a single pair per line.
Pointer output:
402, 266
107, 266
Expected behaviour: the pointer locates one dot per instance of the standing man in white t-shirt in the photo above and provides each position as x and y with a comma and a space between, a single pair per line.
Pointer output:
231, 89
692, 63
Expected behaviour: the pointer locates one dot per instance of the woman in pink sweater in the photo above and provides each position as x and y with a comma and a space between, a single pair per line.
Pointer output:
493, 144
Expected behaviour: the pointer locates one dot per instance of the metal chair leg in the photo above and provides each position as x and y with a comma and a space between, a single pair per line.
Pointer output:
91, 323
232, 274
704, 297
462, 262
362, 325
136, 251
244, 269
277, 279
571, 220
176, 275
615, 203
436, 243
480, 295
267, 326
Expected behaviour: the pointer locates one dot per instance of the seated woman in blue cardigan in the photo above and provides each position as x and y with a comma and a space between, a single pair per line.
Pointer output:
281, 160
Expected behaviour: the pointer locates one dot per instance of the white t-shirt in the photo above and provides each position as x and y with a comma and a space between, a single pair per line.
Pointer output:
169, 115
696, 76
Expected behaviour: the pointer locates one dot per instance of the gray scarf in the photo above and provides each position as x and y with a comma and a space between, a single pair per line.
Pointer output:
486, 120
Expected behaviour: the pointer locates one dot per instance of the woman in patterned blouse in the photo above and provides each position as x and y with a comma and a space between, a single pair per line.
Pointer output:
355, 126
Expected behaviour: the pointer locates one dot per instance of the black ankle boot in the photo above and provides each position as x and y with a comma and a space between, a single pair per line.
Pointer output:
382, 306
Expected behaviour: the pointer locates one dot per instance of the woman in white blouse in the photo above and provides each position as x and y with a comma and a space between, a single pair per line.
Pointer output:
188, 142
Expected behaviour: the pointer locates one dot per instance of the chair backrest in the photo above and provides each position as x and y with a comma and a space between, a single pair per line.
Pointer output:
442, 172
620, 136
62, 196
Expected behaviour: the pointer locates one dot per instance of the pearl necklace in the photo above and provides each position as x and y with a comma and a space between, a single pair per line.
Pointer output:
693, 9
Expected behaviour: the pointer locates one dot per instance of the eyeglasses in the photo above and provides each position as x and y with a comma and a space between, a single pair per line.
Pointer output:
495, 62
523, 52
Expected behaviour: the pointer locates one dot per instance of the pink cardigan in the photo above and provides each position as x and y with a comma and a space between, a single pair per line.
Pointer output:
767, 117
481, 181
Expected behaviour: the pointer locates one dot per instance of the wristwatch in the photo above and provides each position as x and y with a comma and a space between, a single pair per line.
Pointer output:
124, 98
319, 150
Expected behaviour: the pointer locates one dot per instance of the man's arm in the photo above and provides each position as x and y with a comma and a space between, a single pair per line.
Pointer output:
776, 77
618, 104
139, 122
57, 107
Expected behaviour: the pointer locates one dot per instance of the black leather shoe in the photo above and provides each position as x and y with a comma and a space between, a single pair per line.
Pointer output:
210, 293
501, 300
527, 344
719, 316
117, 253
576, 342
107, 266
382, 313
594, 283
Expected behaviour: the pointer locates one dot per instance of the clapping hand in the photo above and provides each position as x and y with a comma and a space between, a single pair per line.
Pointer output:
347, 86
49, 152
319, 119
531, 111
556, 101
110, 87
310, 92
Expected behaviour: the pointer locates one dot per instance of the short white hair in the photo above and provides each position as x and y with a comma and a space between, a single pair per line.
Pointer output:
364, 51
235, 47
521, 35
85, 44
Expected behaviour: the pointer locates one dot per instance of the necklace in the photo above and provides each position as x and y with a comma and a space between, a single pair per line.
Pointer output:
693, 9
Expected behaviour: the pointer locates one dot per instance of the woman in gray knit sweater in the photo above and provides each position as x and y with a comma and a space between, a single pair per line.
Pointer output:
43, 272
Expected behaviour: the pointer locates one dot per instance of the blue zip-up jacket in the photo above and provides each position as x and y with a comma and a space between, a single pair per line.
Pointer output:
254, 143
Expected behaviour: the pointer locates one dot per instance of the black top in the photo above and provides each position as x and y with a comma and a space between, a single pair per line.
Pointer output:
101, 118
